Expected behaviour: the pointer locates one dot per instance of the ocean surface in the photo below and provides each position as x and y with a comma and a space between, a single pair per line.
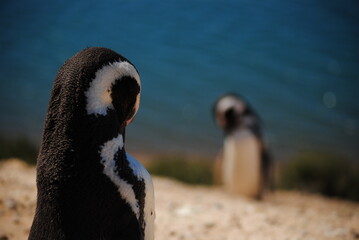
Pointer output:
297, 63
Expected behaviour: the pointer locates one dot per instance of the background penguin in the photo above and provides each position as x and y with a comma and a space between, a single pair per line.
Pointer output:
244, 167
88, 186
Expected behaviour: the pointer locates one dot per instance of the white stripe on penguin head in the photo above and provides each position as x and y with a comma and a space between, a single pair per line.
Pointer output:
230, 102
99, 93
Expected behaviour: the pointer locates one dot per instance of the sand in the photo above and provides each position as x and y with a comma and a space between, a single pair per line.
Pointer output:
195, 212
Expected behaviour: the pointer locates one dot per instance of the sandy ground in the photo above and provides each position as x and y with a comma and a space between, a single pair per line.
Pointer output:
194, 213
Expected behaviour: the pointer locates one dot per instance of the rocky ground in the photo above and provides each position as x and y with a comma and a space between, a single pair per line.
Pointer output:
193, 213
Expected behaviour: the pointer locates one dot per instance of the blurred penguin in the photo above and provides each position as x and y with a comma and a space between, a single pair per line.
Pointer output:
244, 167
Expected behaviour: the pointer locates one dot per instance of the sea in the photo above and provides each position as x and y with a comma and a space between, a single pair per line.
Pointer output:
296, 62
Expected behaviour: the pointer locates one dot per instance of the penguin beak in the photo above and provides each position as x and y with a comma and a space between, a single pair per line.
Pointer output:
134, 110
129, 121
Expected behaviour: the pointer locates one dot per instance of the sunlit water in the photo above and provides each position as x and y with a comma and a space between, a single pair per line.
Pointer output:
296, 62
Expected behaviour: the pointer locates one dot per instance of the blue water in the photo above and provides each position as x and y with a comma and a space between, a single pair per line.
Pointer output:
297, 62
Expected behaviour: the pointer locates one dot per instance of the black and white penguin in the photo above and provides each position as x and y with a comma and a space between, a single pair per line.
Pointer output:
88, 186
244, 167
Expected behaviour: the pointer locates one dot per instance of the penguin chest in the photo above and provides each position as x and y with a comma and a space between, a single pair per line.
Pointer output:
241, 164
149, 204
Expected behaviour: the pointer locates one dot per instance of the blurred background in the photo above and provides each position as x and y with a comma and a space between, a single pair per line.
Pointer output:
296, 62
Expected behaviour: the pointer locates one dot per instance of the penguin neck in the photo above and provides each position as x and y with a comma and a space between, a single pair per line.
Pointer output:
121, 139
114, 149
238, 132
234, 130
95, 130
122, 132
103, 137
248, 123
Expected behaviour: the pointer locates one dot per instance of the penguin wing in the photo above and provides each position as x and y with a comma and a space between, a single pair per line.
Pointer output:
255, 128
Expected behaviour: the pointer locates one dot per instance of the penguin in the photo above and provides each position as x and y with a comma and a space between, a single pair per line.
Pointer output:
88, 187
244, 167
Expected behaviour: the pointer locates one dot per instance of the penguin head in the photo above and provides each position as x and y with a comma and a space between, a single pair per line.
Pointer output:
96, 83
232, 112
116, 86
96, 94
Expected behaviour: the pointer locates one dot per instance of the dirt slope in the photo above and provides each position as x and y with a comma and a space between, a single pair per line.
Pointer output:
194, 213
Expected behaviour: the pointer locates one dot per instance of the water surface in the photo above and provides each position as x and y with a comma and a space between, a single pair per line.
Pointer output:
295, 61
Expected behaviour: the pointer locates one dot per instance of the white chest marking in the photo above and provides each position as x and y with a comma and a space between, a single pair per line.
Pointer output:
99, 93
241, 165
108, 151
149, 208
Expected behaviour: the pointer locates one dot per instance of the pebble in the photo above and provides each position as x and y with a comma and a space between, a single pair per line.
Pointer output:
11, 204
